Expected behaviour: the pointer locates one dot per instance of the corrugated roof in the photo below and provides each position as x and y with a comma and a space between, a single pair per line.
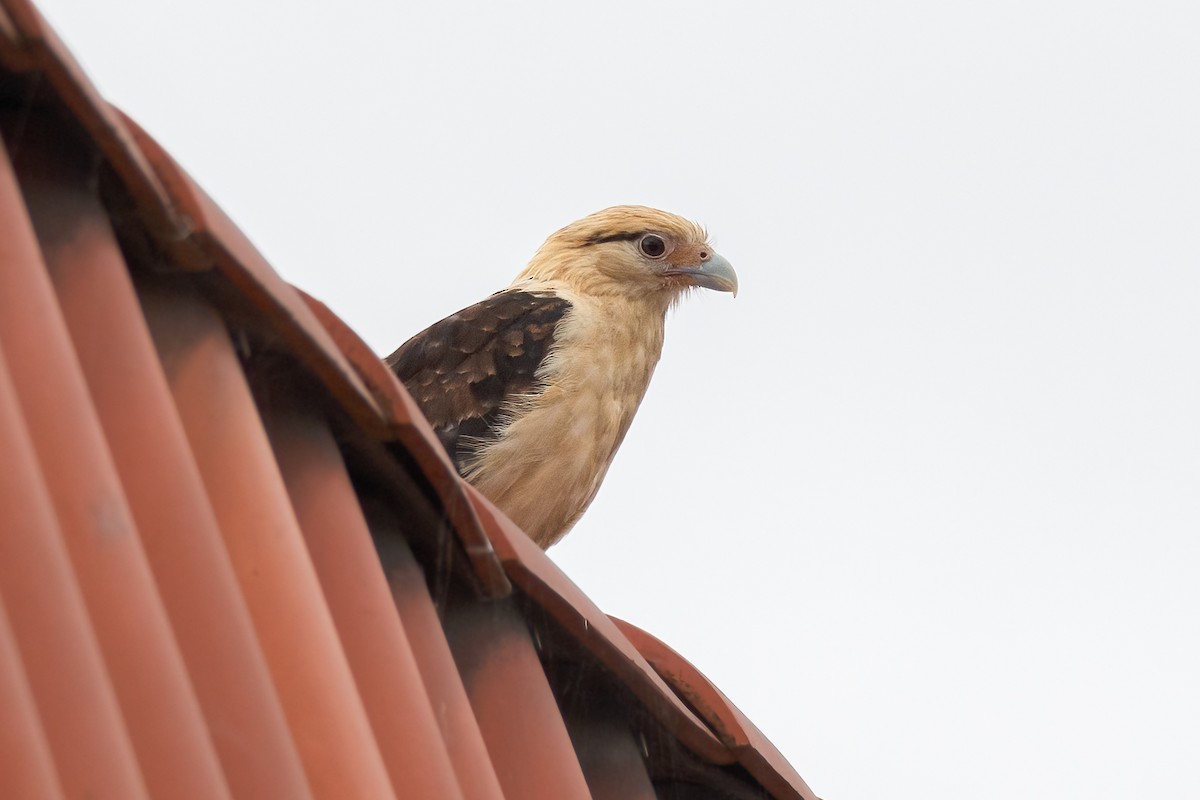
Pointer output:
202, 472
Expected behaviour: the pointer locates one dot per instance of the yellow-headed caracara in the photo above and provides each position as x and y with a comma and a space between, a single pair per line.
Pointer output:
532, 390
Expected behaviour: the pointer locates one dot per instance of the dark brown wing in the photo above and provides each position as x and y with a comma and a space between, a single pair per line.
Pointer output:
462, 369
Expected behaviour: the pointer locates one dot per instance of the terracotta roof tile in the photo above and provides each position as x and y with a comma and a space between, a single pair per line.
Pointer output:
378, 651
144, 663
48, 619
31, 45
178, 529
262, 536
25, 761
752, 749
411, 592
234, 560
412, 430
538, 576
517, 713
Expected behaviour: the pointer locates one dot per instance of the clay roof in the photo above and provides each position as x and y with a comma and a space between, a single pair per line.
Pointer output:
234, 561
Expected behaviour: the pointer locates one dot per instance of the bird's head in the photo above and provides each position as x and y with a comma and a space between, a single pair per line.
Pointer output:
633, 252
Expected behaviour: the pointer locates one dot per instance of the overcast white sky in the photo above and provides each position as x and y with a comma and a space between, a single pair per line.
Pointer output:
924, 500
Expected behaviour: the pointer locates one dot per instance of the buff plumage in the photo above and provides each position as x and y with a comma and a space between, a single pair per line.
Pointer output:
532, 390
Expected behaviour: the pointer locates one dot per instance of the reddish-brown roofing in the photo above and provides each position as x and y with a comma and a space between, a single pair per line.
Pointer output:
234, 561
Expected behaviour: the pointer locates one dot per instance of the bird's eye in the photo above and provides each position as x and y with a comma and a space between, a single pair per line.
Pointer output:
652, 245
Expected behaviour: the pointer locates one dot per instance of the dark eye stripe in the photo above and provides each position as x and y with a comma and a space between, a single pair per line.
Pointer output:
601, 238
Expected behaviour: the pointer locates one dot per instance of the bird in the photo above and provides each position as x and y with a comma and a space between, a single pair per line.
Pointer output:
532, 390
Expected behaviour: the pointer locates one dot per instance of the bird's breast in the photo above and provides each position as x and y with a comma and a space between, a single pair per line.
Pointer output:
548, 463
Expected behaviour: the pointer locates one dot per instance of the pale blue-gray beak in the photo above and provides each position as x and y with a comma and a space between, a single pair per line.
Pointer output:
713, 273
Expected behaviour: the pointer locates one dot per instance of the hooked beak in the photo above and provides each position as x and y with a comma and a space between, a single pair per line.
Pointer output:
714, 273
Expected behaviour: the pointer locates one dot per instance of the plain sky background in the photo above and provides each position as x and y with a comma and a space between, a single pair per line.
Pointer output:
924, 500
